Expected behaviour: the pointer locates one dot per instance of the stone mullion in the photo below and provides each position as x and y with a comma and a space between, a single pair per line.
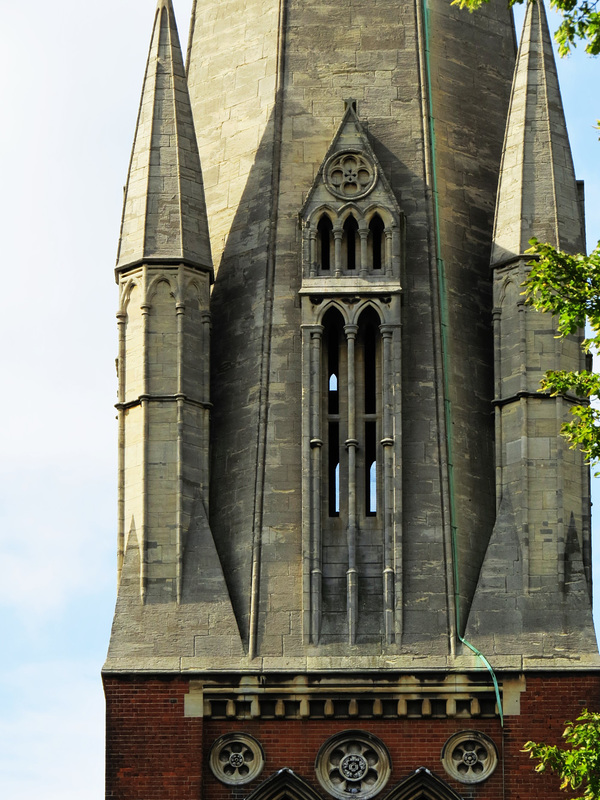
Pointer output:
337, 239
560, 482
316, 448
351, 447
206, 330
524, 407
387, 441
497, 325
145, 308
122, 328
310, 250
363, 232
180, 314
388, 233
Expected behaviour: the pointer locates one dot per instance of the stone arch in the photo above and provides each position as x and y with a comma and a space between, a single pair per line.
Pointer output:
389, 219
284, 785
154, 284
125, 296
338, 306
326, 210
506, 285
347, 210
364, 305
423, 785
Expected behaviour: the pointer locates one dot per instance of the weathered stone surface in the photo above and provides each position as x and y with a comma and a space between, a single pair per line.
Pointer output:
225, 559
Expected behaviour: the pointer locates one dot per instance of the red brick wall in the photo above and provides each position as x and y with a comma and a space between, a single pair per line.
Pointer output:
155, 753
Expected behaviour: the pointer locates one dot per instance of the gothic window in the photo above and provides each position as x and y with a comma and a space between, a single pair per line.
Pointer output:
334, 361
325, 242
376, 242
351, 399
368, 355
350, 243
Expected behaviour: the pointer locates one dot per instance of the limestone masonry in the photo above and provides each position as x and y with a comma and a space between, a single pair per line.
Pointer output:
354, 552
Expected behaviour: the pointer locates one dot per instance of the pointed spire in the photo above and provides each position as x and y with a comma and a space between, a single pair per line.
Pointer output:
164, 213
537, 192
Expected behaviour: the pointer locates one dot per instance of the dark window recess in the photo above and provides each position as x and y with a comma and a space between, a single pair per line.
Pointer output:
371, 468
333, 368
370, 371
350, 234
334, 469
324, 232
376, 229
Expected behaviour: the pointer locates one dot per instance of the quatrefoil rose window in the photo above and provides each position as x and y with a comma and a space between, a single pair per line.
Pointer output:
350, 175
353, 763
469, 756
236, 758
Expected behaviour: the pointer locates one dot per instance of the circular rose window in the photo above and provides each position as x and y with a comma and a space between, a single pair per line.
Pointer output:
350, 175
353, 762
469, 756
236, 758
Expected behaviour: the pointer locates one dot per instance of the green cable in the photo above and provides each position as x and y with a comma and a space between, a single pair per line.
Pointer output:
447, 403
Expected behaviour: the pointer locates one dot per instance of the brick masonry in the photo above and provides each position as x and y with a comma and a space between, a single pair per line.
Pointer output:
154, 752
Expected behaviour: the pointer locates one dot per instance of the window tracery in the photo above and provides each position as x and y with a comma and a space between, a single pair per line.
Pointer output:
352, 244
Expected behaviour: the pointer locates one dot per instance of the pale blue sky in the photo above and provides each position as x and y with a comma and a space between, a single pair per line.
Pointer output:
70, 78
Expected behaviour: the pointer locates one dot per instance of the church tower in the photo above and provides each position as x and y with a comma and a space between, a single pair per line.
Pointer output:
353, 549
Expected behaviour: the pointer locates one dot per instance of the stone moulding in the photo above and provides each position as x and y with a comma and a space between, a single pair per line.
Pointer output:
298, 698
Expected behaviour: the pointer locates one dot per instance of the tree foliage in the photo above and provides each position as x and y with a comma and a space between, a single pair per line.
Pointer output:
568, 286
578, 766
581, 20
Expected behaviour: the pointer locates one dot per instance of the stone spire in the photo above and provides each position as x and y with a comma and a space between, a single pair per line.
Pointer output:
164, 213
537, 192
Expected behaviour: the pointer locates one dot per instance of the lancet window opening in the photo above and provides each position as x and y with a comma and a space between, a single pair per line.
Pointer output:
351, 245
351, 400
377, 242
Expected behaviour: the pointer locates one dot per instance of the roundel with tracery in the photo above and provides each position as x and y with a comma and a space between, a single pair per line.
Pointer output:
350, 175
353, 763
469, 756
236, 758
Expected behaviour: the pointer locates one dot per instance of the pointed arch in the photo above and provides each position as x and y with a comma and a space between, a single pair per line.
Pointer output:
284, 785
154, 285
350, 243
324, 209
390, 220
510, 279
350, 209
125, 295
325, 243
363, 306
334, 303
423, 785
377, 242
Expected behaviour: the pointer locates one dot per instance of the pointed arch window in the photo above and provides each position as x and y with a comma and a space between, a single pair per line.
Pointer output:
350, 243
325, 242
377, 242
351, 398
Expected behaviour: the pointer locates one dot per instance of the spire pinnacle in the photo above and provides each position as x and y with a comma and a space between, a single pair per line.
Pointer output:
164, 212
537, 191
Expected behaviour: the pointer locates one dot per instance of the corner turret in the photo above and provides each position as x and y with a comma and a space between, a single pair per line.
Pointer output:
534, 591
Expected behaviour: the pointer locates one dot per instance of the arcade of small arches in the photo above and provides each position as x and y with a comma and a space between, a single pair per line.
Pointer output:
351, 242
